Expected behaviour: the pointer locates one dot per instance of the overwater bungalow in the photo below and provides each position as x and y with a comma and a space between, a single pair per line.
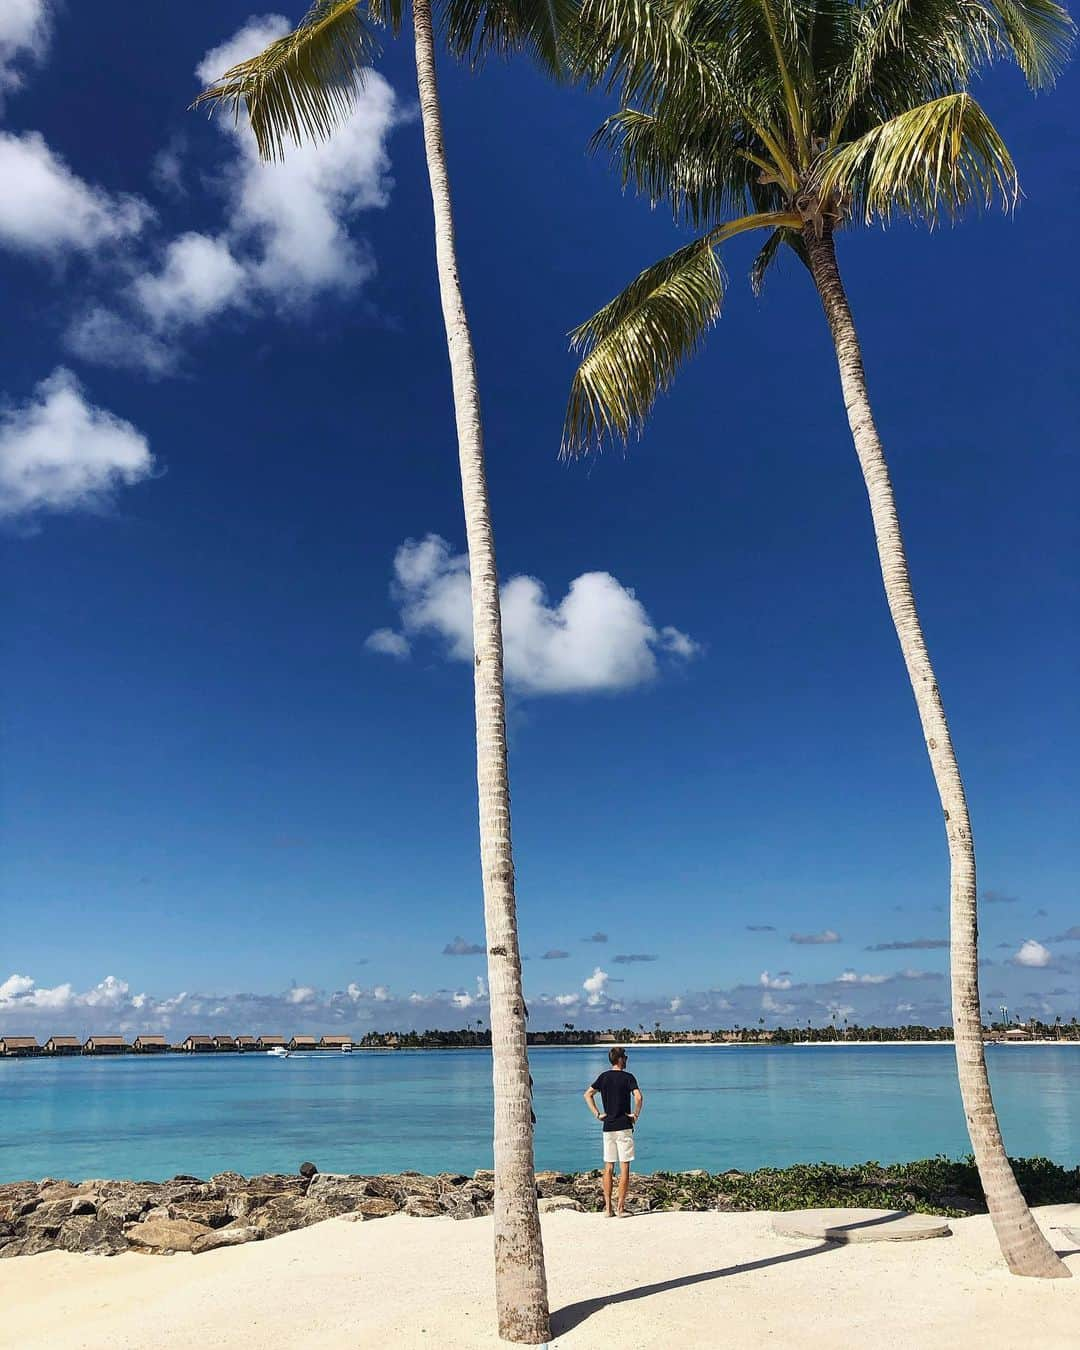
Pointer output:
336, 1043
225, 1042
246, 1043
63, 1045
269, 1042
198, 1045
150, 1045
303, 1043
19, 1047
106, 1045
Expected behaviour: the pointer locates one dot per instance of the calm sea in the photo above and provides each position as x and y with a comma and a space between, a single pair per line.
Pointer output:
430, 1110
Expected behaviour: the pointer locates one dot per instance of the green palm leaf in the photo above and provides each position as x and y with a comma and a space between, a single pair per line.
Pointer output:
932, 160
304, 84
1039, 34
636, 343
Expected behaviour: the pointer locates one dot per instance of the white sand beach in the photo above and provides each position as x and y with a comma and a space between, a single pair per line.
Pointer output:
647, 1283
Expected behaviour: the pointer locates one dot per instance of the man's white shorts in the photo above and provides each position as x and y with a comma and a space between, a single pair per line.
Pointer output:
618, 1146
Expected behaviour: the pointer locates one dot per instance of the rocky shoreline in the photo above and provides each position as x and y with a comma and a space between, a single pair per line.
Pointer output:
188, 1214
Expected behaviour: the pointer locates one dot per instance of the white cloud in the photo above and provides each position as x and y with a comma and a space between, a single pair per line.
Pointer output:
595, 986
24, 36
815, 939
388, 643
599, 637
46, 209
1033, 953
301, 993
284, 236
675, 1005
61, 453
768, 981
199, 278
773, 1005
15, 986
567, 1000
850, 977
102, 336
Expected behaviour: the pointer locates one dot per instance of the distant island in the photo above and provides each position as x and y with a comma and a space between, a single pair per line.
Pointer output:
835, 1032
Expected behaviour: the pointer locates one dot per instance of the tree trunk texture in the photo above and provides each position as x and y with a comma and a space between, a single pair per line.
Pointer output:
520, 1281
1022, 1242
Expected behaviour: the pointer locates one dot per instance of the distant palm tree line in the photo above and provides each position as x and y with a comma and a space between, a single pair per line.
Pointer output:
840, 1030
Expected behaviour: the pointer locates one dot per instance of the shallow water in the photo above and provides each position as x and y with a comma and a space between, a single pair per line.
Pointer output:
430, 1110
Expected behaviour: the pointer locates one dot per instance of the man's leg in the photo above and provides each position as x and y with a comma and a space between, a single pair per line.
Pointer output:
624, 1185
607, 1187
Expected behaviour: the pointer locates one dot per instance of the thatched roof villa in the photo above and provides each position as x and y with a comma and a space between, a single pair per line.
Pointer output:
106, 1045
197, 1045
303, 1043
225, 1042
19, 1047
335, 1042
150, 1045
265, 1042
63, 1045
246, 1043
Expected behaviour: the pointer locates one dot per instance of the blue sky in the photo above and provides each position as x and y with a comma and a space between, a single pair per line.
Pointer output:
227, 460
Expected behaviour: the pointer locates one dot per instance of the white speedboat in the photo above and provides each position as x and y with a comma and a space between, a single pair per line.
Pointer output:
279, 1052
346, 1049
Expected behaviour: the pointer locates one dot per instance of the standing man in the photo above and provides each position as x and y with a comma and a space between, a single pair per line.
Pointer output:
615, 1086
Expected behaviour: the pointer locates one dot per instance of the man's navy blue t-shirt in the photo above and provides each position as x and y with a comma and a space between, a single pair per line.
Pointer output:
615, 1087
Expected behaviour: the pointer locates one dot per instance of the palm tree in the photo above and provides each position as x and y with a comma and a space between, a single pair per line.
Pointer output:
803, 117
300, 88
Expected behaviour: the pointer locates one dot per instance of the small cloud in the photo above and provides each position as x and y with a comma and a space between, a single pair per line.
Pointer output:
597, 638
594, 986
815, 939
1070, 935
1032, 953
760, 928
459, 947
998, 898
554, 954
850, 977
1041, 914
596, 937
632, 958
61, 453
46, 210
768, 981
388, 643
914, 945
301, 993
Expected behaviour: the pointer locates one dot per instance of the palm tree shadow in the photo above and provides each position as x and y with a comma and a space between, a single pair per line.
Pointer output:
566, 1319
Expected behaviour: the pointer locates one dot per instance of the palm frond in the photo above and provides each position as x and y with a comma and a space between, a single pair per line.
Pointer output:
547, 29
304, 84
637, 342
1040, 35
935, 159
771, 250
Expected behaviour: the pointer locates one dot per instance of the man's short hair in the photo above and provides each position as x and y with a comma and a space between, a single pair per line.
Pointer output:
616, 1053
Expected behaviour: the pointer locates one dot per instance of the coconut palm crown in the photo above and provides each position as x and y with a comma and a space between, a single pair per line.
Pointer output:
774, 115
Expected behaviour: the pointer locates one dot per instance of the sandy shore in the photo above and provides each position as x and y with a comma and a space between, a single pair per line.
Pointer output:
648, 1283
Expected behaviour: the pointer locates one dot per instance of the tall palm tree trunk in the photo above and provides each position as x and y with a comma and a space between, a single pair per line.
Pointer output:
520, 1282
1022, 1242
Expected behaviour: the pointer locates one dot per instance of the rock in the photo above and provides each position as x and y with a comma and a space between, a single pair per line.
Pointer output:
31, 1245
83, 1204
308, 1170
486, 1178
123, 1209
414, 1183
210, 1213
233, 1236
330, 1186
186, 1176
165, 1235
157, 1212
48, 1217
376, 1207
859, 1225
553, 1203
420, 1207
229, 1181
92, 1237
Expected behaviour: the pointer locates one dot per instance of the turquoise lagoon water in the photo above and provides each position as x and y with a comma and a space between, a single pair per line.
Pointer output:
430, 1110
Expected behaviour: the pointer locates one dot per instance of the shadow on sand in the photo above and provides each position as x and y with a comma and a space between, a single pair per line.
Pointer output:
566, 1319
